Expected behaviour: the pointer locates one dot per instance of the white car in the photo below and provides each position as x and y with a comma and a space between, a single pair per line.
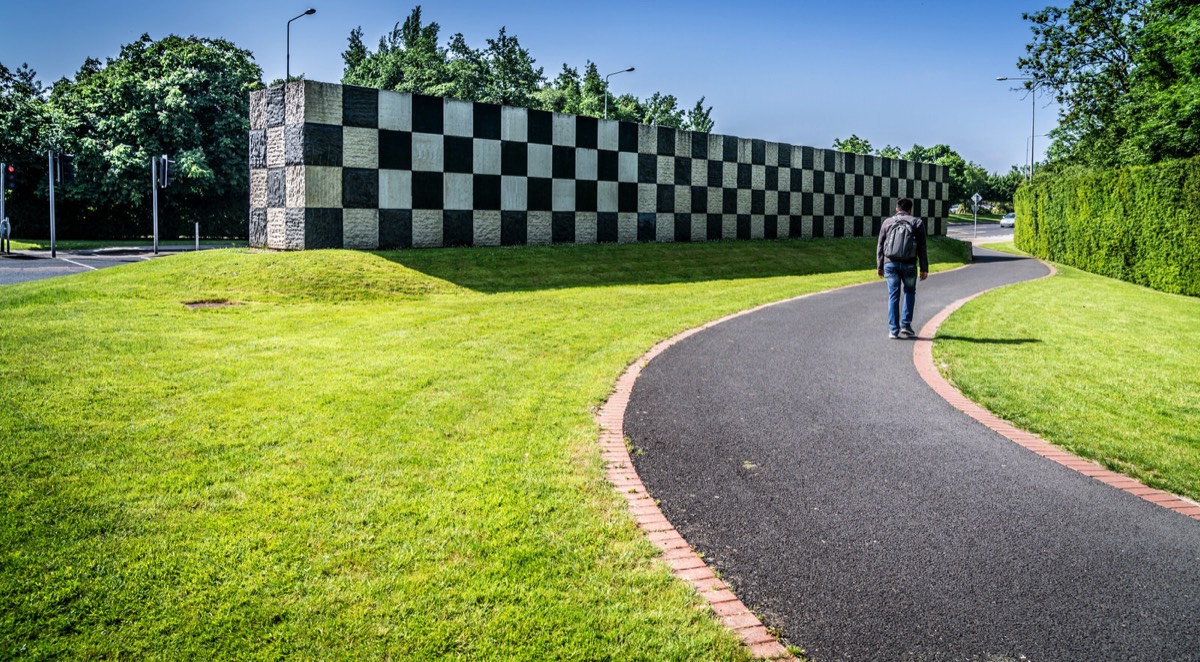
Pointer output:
1008, 220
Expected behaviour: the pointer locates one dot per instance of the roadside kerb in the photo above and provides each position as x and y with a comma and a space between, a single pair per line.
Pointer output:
923, 359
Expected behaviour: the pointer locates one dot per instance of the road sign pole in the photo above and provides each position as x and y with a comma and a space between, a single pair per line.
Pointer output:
154, 197
50, 159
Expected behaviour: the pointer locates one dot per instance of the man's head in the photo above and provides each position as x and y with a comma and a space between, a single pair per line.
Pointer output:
904, 205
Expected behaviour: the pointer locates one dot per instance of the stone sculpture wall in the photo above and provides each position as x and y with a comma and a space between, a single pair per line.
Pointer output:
335, 166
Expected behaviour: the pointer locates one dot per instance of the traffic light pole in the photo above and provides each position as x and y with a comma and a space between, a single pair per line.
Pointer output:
50, 157
154, 194
3, 185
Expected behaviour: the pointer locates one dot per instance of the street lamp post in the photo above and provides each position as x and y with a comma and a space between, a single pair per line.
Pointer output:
288, 70
606, 88
1032, 120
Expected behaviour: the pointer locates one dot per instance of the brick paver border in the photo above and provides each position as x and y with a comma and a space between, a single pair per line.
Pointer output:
923, 358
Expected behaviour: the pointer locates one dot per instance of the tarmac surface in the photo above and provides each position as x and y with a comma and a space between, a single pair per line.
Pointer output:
797, 449
26, 265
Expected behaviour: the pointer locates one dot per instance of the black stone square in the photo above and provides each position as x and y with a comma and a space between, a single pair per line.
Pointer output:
647, 169
540, 127
607, 228
714, 227
795, 226
627, 197
868, 162
785, 203
716, 174
839, 227
665, 202
395, 150
839, 183
848, 161
860, 184
683, 227
743, 175
699, 145
458, 227
830, 161
729, 201
585, 195
562, 227
276, 114
743, 226
758, 152
607, 166
322, 228
666, 141
563, 164
903, 170
857, 225
322, 145
772, 178
514, 227
796, 181
887, 167
729, 149
276, 188
427, 190
647, 225
429, 115
258, 148
258, 227
360, 106
395, 228
486, 121
458, 154
540, 193
771, 226
758, 202
627, 137
785, 156
829, 203
486, 193
683, 171
876, 226
587, 132
818, 178
360, 188
514, 158
807, 158
699, 200
877, 187
806, 203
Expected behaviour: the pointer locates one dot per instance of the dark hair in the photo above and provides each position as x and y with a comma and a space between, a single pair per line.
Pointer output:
904, 204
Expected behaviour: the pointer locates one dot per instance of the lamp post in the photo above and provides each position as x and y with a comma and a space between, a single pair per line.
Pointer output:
1032, 120
288, 75
623, 71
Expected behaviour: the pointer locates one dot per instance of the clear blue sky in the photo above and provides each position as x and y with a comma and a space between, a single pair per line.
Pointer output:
798, 71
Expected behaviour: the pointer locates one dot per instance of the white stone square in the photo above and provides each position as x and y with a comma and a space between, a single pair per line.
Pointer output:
683, 199
699, 227
395, 110
715, 200
716, 147
771, 205
486, 227
323, 187
666, 170
427, 228
486, 155
729, 226
427, 150
585, 164
459, 117
275, 147
458, 191
395, 189
785, 179
729, 174
360, 147
514, 193
539, 228
607, 196
276, 228
758, 226
758, 177
627, 227
563, 195
294, 195
745, 150
563, 130
699, 172
772, 154
586, 227
647, 197
609, 135
627, 167
647, 139
322, 103
664, 228
514, 124
258, 188
743, 201
360, 229
541, 160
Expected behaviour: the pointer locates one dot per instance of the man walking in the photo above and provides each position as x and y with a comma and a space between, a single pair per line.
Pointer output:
900, 249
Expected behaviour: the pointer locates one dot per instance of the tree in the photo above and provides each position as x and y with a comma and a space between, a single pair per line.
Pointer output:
699, 118
185, 97
889, 152
853, 144
408, 59
512, 79
24, 132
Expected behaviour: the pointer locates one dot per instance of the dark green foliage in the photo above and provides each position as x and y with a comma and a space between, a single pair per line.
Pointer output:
24, 129
1139, 223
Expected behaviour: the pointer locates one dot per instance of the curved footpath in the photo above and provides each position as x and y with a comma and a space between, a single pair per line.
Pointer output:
797, 449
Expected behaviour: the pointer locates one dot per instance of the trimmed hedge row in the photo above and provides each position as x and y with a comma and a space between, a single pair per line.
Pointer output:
1140, 224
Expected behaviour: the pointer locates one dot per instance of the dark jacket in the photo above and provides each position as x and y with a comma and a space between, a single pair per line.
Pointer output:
918, 231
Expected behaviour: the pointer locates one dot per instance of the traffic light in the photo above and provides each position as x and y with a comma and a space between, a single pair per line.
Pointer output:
166, 171
9, 177
65, 168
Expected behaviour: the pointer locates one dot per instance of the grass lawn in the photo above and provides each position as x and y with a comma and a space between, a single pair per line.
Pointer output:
82, 244
370, 455
1101, 367
1004, 247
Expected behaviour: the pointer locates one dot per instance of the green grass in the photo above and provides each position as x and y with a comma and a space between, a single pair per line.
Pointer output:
371, 455
1005, 247
1103, 368
84, 244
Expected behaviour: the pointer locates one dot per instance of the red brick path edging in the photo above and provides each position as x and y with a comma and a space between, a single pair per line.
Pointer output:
923, 358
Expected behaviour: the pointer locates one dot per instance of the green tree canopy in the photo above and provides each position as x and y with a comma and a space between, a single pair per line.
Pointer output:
853, 144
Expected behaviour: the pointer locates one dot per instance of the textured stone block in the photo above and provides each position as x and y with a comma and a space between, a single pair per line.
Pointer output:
293, 103
486, 228
627, 167
683, 143
758, 177
276, 188
258, 227
274, 107
427, 152
664, 227
258, 188
459, 118
294, 186
608, 135
258, 110
322, 228
360, 229
771, 203
275, 147
258, 148
715, 201
322, 187
322, 103
683, 199
664, 170
294, 228
539, 231
586, 227
395, 189
395, 111
486, 157
699, 227
586, 164
276, 225
627, 227
647, 198
360, 107
360, 147
541, 160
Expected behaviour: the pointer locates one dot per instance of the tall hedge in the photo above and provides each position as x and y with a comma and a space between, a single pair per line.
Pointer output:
1140, 224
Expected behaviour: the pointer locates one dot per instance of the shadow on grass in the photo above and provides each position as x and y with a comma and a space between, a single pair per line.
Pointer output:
984, 256
530, 268
991, 341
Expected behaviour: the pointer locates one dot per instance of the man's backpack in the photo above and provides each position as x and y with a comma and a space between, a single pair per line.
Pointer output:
900, 243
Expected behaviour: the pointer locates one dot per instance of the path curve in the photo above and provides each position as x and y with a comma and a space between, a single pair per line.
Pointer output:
777, 445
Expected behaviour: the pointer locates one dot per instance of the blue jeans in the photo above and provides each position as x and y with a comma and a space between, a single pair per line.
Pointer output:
900, 276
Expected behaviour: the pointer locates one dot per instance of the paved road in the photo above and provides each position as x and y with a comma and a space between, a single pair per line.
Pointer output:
800, 452
22, 266
987, 232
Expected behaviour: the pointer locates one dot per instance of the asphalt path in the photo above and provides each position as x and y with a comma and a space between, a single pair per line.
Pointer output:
987, 232
799, 451
27, 265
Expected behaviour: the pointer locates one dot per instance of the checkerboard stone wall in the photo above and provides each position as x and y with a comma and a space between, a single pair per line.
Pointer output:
335, 166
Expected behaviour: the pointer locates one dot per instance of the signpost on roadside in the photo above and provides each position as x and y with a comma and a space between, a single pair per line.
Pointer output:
162, 173
975, 199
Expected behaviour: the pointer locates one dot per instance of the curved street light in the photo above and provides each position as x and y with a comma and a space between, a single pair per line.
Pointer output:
288, 67
623, 71
1032, 120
